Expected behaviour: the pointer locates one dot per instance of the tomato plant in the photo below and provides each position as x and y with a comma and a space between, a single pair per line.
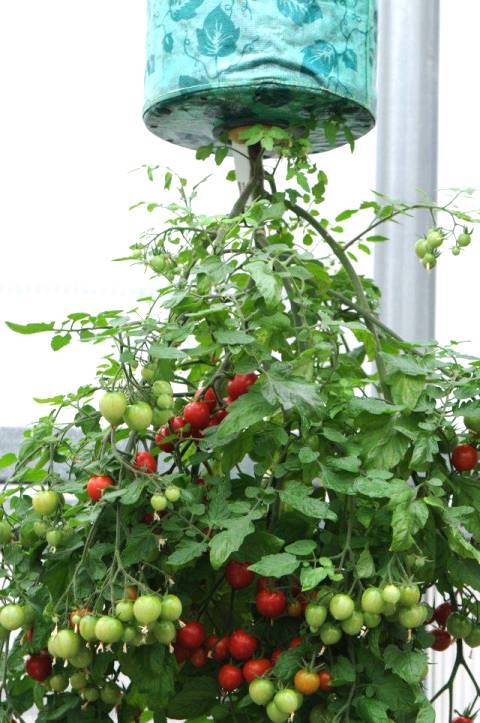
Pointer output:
252, 421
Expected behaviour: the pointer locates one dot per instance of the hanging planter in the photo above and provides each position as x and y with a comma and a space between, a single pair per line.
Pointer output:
212, 66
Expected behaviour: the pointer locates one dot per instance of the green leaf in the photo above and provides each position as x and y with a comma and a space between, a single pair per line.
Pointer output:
426, 714
424, 452
291, 393
373, 488
307, 455
246, 411
233, 338
365, 564
384, 447
267, 282
186, 551
160, 351
7, 460
297, 496
276, 565
343, 672
224, 543
204, 152
310, 577
406, 390
373, 406
409, 665
196, 698
260, 544
372, 711
60, 340
289, 662
30, 328
301, 547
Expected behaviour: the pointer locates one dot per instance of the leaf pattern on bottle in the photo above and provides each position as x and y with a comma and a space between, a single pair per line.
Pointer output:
184, 9
219, 36
300, 11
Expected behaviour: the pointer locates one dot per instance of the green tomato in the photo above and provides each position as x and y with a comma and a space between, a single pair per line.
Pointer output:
276, 715
161, 417
108, 629
40, 528
29, 615
82, 659
54, 538
45, 502
390, 611
165, 632
287, 700
87, 628
429, 261
435, 239
147, 609
472, 422
131, 636
410, 595
110, 694
158, 263
171, 608
5, 532
12, 617
173, 493
124, 610
372, 601
412, 617
473, 638
456, 251
341, 607
138, 416
90, 695
465, 239
66, 644
372, 620
58, 683
148, 373
159, 502
162, 387
112, 407
164, 401
458, 625
261, 691
78, 681
330, 634
354, 624
421, 248
391, 594
315, 615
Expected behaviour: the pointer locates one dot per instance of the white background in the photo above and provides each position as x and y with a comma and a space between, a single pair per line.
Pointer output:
71, 133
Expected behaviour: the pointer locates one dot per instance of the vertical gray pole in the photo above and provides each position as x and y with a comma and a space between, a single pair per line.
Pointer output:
407, 157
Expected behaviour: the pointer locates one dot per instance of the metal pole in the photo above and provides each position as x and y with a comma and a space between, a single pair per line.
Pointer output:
407, 154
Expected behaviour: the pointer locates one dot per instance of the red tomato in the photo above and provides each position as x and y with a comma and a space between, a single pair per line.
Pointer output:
256, 668
295, 609
441, 613
230, 678
191, 636
160, 438
218, 417
146, 462
29, 634
39, 666
324, 680
271, 603
181, 653
210, 642
242, 645
148, 518
197, 414
238, 575
209, 397
96, 485
275, 655
465, 457
463, 719
177, 424
442, 641
240, 385
307, 682
220, 651
200, 482
199, 658
296, 641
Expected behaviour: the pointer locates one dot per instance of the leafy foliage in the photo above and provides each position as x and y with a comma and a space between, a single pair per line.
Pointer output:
307, 479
